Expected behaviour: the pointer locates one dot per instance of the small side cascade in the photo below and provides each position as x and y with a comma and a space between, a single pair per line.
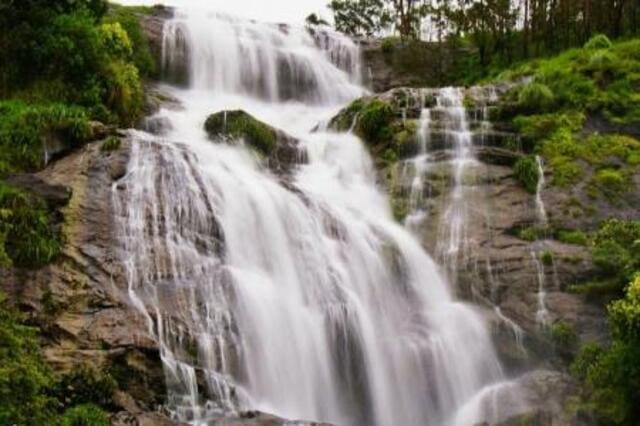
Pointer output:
419, 165
538, 251
540, 209
458, 137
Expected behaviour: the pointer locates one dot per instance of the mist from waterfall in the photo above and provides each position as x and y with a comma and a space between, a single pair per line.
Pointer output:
294, 295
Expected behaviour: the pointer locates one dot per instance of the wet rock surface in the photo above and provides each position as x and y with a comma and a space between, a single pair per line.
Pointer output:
79, 301
495, 266
280, 150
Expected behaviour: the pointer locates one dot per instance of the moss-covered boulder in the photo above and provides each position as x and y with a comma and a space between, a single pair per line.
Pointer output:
279, 149
241, 125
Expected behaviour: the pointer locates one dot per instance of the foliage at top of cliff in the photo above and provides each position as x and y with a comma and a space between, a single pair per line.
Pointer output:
581, 111
66, 62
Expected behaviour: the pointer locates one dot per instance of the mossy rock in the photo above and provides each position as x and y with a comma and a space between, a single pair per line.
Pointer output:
240, 125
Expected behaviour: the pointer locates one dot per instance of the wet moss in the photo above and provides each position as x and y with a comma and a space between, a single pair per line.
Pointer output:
241, 125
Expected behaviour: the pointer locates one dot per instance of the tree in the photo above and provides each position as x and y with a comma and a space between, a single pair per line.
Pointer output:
360, 17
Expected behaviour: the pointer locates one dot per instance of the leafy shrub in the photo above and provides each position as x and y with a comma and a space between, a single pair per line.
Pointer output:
526, 172
111, 144
389, 44
125, 95
563, 334
374, 121
27, 237
23, 128
575, 236
547, 257
532, 233
611, 375
84, 386
617, 250
535, 97
141, 53
24, 377
611, 179
599, 41
85, 415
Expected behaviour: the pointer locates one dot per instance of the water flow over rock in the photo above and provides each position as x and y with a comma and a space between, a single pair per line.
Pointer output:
304, 300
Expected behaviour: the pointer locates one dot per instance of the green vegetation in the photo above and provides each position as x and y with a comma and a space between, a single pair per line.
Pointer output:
239, 124
27, 238
597, 82
374, 121
23, 375
572, 236
611, 375
616, 250
111, 144
25, 129
526, 172
69, 62
85, 415
29, 393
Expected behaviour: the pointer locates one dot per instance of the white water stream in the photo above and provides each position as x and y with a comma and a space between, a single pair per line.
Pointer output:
305, 299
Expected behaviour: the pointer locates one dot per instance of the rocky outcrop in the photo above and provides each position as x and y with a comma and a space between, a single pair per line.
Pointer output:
79, 301
495, 266
152, 23
280, 151
389, 63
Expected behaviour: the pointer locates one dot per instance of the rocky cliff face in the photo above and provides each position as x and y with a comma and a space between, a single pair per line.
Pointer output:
496, 264
390, 64
79, 301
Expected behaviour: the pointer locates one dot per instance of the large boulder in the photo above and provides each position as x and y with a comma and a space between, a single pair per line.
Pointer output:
280, 150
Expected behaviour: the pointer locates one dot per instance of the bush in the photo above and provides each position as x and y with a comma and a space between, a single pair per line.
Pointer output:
599, 41
535, 97
84, 386
141, 53
27, 237
111, 144
617, 250
611, 179
624, 315
24, 377
526, 172
85, 415
374, 121
24, 127
576, 237
611, 375
125, 96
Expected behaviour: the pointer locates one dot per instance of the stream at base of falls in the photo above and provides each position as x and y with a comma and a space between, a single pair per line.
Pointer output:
297, 295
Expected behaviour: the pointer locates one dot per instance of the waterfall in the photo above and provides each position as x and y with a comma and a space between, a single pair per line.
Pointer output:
302, 299
537, 252
540, 209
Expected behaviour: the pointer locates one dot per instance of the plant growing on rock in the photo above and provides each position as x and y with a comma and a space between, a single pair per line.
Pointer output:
526, 172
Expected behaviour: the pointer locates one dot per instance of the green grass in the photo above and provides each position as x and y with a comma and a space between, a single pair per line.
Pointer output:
24, 126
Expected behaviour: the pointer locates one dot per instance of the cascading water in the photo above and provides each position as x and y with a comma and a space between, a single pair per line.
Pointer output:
537, 252
450, 102
304, 300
